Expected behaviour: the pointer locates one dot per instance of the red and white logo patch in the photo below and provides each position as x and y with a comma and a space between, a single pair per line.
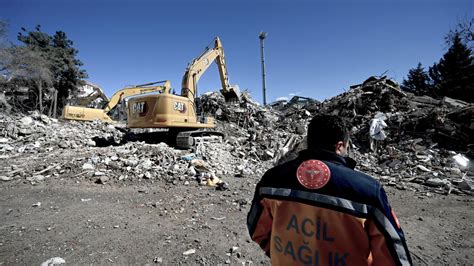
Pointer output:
313, 174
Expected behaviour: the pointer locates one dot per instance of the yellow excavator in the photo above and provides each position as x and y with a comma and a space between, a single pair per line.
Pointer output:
90, 114
178, 113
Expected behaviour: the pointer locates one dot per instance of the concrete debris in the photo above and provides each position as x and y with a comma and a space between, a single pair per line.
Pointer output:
26, 121
423, 168
36, 134
35, 179
102, 180
189, 252
461, 160
296, 102
192, 171
158, 260
436, 182
222, 186
87, 166
396, 137
147, 175
5, 178
464, 185
98, 173
45, 119
54, 261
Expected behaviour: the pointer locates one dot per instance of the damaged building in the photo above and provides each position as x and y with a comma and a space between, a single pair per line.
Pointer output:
401, 139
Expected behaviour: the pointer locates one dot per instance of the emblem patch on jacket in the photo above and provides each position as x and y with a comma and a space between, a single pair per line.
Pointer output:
313, 174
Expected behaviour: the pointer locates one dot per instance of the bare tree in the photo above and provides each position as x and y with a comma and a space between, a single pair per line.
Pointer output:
26, 63
465, 31
23, 62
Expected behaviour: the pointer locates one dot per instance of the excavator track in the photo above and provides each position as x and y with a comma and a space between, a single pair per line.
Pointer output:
188, 139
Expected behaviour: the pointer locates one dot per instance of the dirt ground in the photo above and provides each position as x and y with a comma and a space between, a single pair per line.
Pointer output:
149, 222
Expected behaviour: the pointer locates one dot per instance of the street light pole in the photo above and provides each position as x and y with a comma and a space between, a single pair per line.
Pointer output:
262, 37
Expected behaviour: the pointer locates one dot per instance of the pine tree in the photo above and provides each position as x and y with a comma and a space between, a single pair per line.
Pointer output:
417, 82
453, 76
68, 69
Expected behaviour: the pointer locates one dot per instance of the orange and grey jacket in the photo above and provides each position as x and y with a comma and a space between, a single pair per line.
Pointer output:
317, 210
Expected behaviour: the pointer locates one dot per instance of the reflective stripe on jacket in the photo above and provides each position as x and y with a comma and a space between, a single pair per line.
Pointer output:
348, 221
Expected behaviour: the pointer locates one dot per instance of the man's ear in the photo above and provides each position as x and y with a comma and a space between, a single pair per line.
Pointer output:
339, 147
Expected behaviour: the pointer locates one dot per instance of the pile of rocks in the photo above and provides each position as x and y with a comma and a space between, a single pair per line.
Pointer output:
397, 137
255, 132
36, 148
420, 139
37, 133
447, 122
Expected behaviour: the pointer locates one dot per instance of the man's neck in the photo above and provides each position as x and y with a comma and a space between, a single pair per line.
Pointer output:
326, 155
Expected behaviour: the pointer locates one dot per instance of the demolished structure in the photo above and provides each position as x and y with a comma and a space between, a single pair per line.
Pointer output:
403, 140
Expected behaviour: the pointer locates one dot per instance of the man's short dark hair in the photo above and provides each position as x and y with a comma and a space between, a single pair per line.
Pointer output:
325, 131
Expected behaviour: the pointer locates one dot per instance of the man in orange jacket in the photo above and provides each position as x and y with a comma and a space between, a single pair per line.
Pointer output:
317, 210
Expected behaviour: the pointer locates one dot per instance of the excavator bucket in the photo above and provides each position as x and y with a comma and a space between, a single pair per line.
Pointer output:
231, 94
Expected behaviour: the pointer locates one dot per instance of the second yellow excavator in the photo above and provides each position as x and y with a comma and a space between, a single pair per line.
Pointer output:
90, 114
178, 113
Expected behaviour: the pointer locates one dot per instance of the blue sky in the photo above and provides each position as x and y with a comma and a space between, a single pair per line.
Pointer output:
313, 48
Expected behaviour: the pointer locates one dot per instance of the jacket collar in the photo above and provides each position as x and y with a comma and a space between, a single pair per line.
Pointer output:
327, 156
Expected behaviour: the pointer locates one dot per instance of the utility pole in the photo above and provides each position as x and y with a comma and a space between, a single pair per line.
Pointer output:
262, 37
55, 107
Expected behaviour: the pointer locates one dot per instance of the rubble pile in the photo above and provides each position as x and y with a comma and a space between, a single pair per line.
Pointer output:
446, 122
296, 114
396, 137
399, 137
36, 148
132, 161
37, 133
251, 129
414, 162
406, 137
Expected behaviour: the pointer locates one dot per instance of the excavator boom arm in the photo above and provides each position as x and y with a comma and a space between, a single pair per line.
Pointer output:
222, 66
199, 65
196, 69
